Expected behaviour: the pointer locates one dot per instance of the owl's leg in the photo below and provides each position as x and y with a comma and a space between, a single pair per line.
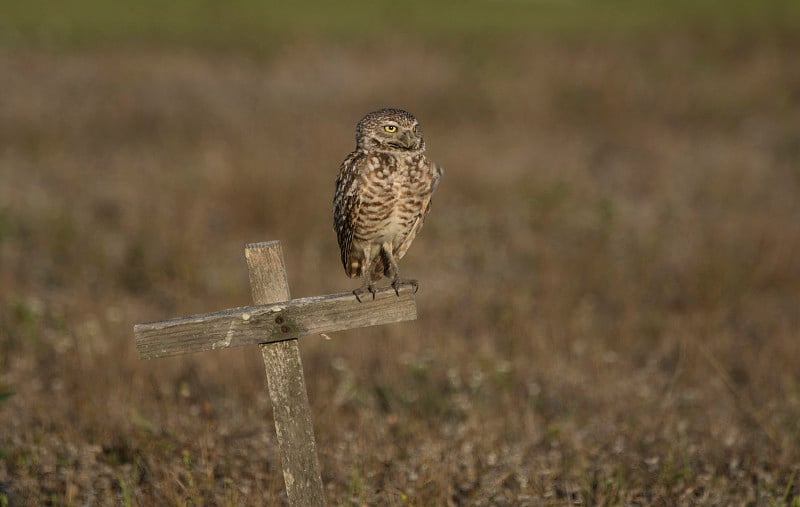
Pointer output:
366, 270
394, 273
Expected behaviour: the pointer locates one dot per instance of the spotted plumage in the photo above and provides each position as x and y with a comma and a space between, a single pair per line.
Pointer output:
383, 193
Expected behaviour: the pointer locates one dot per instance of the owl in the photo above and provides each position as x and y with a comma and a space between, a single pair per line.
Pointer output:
383, 193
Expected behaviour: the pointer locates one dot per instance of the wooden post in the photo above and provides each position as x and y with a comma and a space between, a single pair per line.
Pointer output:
275, 323
287, 386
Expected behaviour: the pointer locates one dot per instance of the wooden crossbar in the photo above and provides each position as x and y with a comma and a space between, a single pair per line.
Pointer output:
248, 325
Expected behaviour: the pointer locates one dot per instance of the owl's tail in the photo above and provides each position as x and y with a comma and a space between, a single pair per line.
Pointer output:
354, 267
380, 267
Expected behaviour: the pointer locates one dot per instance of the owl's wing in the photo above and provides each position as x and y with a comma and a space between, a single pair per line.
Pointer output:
436, 172
346, 205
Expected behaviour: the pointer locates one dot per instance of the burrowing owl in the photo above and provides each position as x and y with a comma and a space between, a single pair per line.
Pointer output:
383, 193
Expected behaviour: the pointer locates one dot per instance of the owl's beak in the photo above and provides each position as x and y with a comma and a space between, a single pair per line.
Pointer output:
408, 139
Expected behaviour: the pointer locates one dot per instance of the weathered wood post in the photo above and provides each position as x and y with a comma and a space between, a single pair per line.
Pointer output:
275, 323
287, 386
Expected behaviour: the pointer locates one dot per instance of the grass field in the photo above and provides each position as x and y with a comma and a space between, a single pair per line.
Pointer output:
610, 274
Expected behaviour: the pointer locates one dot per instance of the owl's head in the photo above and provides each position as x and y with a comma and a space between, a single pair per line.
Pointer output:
390, 130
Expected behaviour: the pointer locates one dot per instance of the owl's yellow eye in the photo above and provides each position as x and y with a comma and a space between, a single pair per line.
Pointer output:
390, 128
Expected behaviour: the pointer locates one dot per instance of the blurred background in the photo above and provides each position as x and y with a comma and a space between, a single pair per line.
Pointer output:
610, 274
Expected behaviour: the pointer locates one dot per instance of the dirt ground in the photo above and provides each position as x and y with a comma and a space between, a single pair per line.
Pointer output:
610, 273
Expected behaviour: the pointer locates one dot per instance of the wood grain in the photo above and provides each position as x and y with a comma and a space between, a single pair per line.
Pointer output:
287, 387
249, 325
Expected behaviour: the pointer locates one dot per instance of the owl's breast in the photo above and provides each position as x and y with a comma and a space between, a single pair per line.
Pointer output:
394, 191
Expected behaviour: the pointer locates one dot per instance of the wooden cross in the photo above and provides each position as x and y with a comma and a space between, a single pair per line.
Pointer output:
275, 324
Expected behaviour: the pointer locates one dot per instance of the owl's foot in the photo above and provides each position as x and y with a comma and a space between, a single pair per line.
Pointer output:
364, 288
399, 282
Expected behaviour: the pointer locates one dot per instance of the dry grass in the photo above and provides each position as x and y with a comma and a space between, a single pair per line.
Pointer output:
610, 273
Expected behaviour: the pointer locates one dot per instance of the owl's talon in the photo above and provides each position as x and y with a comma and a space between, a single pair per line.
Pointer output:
361, 290
399, 282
